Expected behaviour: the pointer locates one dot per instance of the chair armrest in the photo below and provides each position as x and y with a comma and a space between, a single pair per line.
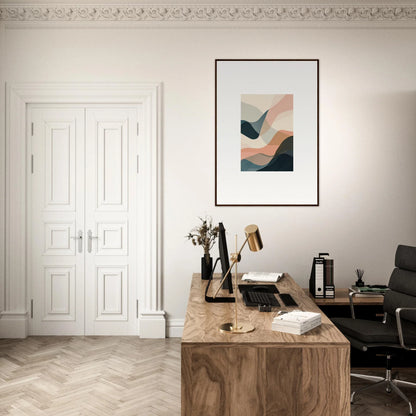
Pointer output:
352, 294
400, 329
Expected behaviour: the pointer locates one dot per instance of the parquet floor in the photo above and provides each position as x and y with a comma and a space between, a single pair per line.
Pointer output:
90, 376
119, 376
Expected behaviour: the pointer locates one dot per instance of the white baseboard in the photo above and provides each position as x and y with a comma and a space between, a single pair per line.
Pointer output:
13, 325
152, 324
175, 328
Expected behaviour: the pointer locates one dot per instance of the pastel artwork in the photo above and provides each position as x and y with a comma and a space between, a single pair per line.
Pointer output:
267, 132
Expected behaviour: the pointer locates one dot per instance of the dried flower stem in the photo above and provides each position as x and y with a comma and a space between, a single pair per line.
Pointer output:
359, 273
204, 235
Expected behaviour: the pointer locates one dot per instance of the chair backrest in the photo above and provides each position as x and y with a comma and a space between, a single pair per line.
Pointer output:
402, 284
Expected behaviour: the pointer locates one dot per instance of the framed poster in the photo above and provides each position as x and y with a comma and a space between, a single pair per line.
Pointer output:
266, 132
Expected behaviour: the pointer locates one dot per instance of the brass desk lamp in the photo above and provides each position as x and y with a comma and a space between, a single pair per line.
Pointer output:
255, 244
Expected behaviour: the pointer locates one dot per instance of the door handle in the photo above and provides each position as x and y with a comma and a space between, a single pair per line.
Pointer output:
90, 237
79, 238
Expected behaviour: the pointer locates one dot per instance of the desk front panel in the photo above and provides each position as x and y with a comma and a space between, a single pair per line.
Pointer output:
258, 380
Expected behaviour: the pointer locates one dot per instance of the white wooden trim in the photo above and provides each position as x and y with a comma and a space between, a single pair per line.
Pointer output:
152, 324
2, 165
13, 325
175, 328
18, 96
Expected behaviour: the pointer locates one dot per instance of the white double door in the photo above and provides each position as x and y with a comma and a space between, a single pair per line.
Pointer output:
83, 219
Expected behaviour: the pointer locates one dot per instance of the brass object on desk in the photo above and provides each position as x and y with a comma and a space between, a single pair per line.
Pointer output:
253, 237
235, 327
255, 243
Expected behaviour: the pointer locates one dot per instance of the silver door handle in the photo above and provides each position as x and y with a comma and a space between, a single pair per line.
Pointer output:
79, 238
90, 237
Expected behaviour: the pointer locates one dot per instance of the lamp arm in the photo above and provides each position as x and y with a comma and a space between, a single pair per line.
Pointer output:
230, 268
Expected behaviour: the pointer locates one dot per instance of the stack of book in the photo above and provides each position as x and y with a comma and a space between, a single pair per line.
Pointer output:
296, 322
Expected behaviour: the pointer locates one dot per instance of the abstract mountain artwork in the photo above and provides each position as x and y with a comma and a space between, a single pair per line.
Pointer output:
267, 132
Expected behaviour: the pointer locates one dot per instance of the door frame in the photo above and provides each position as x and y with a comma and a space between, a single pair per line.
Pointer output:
15, 315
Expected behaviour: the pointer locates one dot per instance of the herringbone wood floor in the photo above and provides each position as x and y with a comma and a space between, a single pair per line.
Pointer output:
119, 376
89, 376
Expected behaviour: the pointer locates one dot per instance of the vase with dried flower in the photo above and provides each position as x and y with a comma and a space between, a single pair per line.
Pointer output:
359, 273
204, 235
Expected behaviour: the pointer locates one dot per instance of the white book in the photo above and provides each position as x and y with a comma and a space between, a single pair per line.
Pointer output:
296, 322
297, 316
262, 277
296, 331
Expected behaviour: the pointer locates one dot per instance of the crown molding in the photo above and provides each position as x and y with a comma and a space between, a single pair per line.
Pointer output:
206, 13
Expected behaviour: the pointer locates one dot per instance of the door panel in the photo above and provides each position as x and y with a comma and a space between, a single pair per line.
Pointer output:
58, 241
56, 268
112, 239
60, 166
59, 290
112, 286
111, 162
111, 211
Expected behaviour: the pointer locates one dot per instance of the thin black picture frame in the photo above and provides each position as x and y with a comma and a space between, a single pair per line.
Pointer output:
317, 132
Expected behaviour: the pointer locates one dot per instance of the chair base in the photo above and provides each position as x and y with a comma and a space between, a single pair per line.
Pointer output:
390, 385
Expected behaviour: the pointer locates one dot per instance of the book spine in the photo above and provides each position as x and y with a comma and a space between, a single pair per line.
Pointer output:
329, 278
312, 279
319, 278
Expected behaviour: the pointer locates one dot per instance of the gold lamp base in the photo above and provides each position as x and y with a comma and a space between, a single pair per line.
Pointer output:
241, 328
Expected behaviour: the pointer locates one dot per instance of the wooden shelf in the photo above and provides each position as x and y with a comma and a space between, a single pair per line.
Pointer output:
342, 299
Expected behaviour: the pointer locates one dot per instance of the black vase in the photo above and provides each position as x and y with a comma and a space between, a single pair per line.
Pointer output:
206, 267
360, 283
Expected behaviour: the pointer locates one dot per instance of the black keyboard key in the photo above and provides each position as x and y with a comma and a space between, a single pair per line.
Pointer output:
259, 298
287, 299
259, 288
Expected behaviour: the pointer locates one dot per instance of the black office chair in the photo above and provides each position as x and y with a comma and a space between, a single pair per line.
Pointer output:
397, 331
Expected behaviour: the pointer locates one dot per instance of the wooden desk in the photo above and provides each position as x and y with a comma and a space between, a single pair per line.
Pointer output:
264, 372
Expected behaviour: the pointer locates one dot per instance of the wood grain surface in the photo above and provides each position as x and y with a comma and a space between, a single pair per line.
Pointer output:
264, 372
203, 319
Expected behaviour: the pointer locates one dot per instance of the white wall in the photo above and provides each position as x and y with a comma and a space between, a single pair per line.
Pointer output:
367, 135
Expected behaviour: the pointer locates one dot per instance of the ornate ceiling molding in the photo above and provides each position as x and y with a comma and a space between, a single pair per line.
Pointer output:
206, 13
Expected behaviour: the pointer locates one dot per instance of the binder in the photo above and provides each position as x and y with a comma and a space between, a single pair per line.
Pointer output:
316, 281
329, 278
321, 281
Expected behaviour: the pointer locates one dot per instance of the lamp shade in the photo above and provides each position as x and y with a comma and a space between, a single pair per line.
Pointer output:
254, 238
